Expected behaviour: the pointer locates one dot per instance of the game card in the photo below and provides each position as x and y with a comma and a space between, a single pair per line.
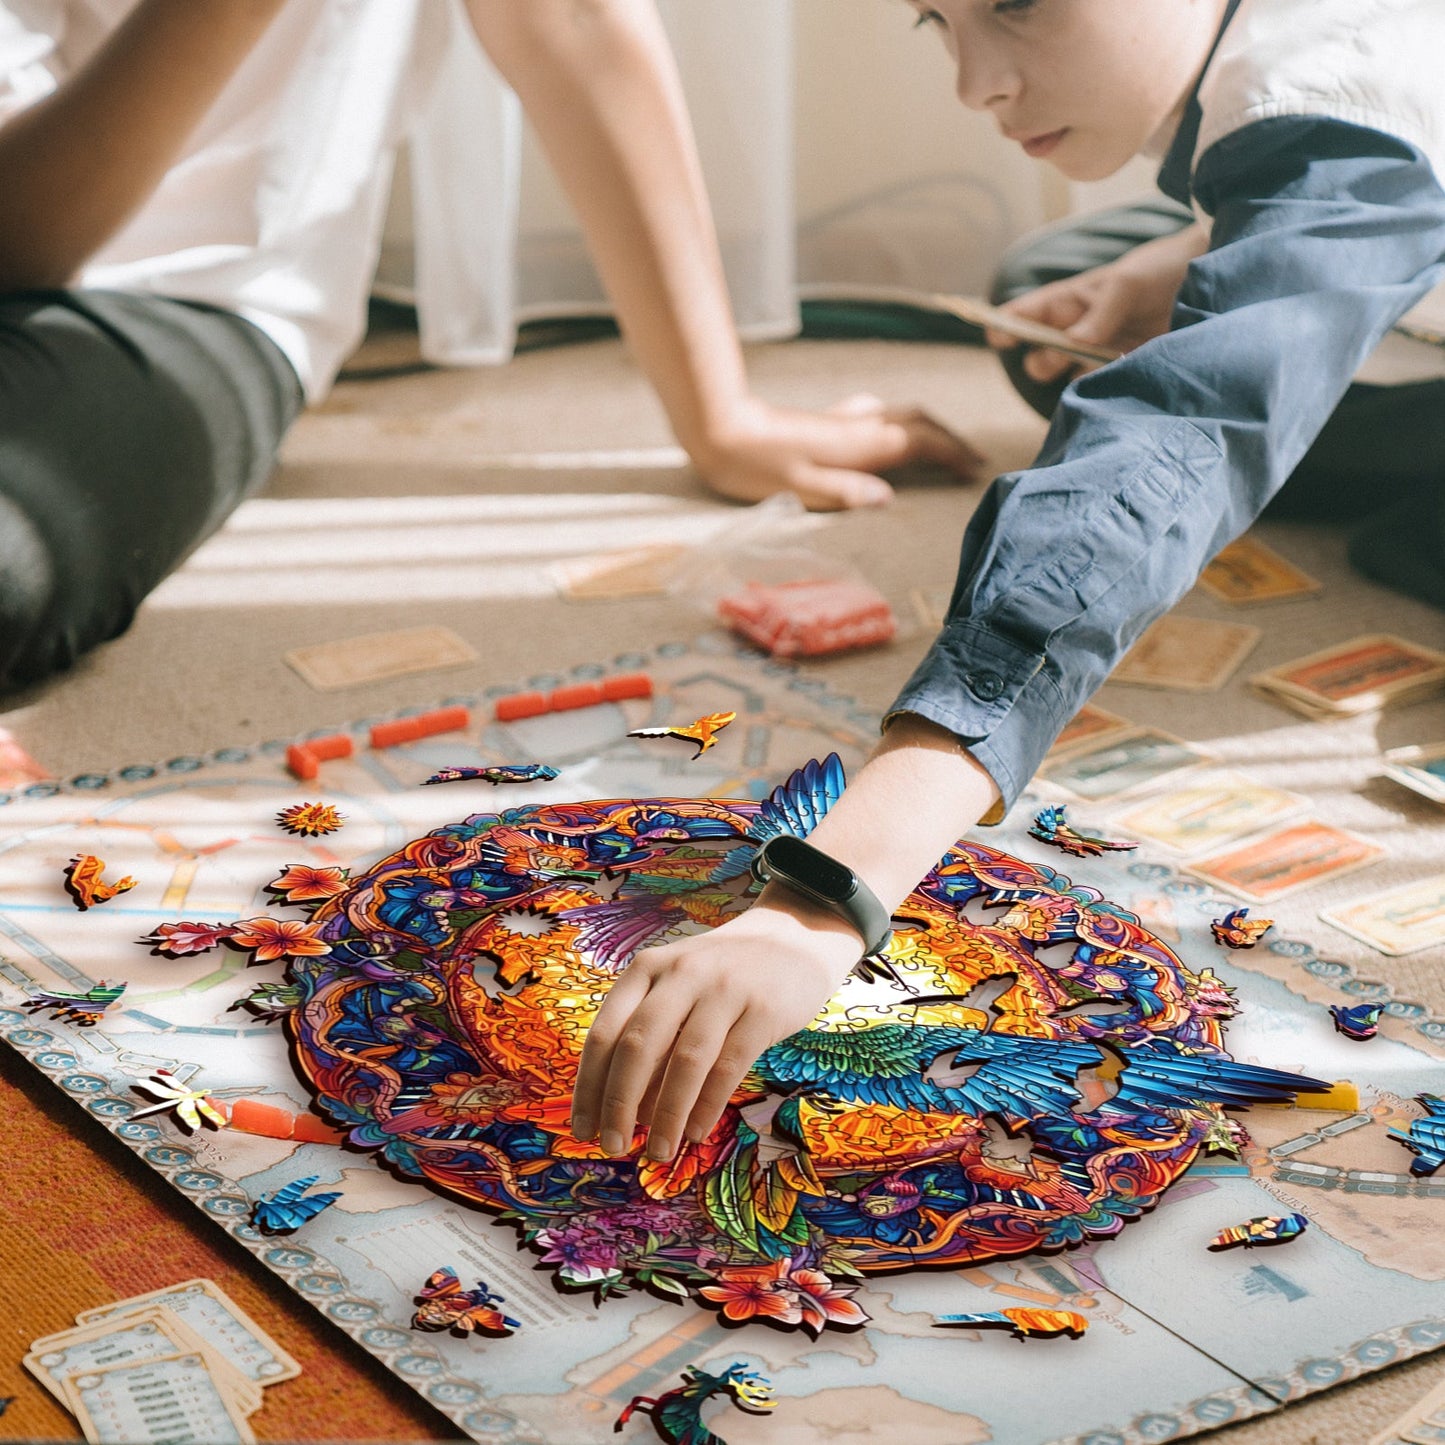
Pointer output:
1421, 769
1207, 814
219, 1322
355, 660
1187, 654
1248, 571
1116, 765
1090, 724
1357, 676
1400, 921
643, 572
155, 1402
146, 1335
1288, 859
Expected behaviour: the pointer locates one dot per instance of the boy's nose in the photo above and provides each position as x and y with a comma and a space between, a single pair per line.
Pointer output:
984, 82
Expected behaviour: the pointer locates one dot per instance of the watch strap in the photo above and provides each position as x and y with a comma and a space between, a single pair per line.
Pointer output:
854, 901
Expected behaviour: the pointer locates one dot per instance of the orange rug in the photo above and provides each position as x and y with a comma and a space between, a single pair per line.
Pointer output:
83, 1223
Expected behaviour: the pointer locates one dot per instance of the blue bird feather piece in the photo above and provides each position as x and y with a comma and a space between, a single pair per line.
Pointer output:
1425, 1138
796, 806
1162, 1076
290, 1207
1358, 1021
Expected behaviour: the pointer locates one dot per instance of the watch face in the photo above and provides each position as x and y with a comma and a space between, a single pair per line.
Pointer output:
809, 868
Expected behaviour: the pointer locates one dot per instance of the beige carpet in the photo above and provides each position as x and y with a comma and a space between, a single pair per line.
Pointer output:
445, 497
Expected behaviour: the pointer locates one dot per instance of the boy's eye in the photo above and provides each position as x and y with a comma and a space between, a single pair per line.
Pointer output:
927, 17
1006, 7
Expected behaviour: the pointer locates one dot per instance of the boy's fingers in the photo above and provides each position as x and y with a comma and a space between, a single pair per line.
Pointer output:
929, 440
636, 1057
740, 1051
692, 1059
863, 404
1045, 366
592, 1069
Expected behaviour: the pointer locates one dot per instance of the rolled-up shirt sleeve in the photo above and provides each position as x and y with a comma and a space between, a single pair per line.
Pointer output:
1324, 235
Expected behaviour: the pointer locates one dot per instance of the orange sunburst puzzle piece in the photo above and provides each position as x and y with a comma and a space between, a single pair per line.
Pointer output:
85, 883
310, 820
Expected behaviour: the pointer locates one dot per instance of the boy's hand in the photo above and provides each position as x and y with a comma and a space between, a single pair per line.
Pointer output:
829, 459
1121, 305
685, 1022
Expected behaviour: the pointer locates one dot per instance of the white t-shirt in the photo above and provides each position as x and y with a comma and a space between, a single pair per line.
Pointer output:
275, 207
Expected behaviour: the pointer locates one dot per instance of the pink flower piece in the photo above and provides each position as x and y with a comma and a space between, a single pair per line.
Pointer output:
824, 1303
174, 940
271, 938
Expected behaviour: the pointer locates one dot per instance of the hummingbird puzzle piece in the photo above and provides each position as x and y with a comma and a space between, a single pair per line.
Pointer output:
1238, 930
1052, 827
85, 883
310, 820
443, 1022
1265, 1229
290, 1207
702, 733
1025, 1323
677, 1413
499, 773
1357, 1021
82, 1009
442, 1304
1425, 1137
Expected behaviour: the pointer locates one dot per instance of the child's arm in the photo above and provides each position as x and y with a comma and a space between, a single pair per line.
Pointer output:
75, 165
1325, 234
598, 83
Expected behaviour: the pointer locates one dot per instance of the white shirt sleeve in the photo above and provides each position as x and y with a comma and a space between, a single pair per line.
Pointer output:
30, 33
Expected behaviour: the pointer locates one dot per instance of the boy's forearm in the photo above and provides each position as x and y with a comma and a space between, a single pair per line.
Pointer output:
599, 85
76, 165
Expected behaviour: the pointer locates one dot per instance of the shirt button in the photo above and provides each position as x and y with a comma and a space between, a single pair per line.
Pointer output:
987, 685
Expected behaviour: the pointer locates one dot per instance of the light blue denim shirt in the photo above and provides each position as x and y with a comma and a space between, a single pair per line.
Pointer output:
1324, 235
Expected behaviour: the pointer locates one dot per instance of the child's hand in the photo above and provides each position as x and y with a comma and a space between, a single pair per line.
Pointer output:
1121, 305
684, 1023
829, 459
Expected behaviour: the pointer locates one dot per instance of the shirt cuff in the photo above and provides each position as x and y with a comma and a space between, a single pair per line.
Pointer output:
998, 698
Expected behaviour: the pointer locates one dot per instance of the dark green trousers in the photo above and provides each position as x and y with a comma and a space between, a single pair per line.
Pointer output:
130, 428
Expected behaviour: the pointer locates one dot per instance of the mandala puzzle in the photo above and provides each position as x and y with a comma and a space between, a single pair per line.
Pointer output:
441, 1014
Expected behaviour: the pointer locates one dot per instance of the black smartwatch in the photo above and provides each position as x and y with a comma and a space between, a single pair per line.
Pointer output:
811, 872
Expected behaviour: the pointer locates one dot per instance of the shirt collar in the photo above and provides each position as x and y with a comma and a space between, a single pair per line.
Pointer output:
1178, 164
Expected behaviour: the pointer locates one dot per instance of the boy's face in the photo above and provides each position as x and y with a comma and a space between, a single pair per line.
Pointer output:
1083, 84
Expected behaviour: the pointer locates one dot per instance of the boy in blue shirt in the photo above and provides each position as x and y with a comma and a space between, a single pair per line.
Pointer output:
1309, 136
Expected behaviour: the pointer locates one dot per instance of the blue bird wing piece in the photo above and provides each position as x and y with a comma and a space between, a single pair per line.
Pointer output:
935, 1069
796, 806
1161, 1076
290, 1206
1425, 1137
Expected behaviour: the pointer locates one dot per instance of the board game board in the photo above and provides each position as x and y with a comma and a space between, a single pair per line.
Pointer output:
1180, 1340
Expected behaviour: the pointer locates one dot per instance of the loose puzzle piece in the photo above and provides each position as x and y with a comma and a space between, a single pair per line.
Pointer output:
84, 882
310, 820
190, 1105
1425, 1137
179, 940
1238, 930
444, 1305
82, 1009
1025, 1323
290, 1206
851, 1147
1265, 1229
500, 773
703, 732
1051, 827
1357, 1021
677, 1413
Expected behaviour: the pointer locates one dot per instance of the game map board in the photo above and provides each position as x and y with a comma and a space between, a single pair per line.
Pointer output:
1180, 1340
